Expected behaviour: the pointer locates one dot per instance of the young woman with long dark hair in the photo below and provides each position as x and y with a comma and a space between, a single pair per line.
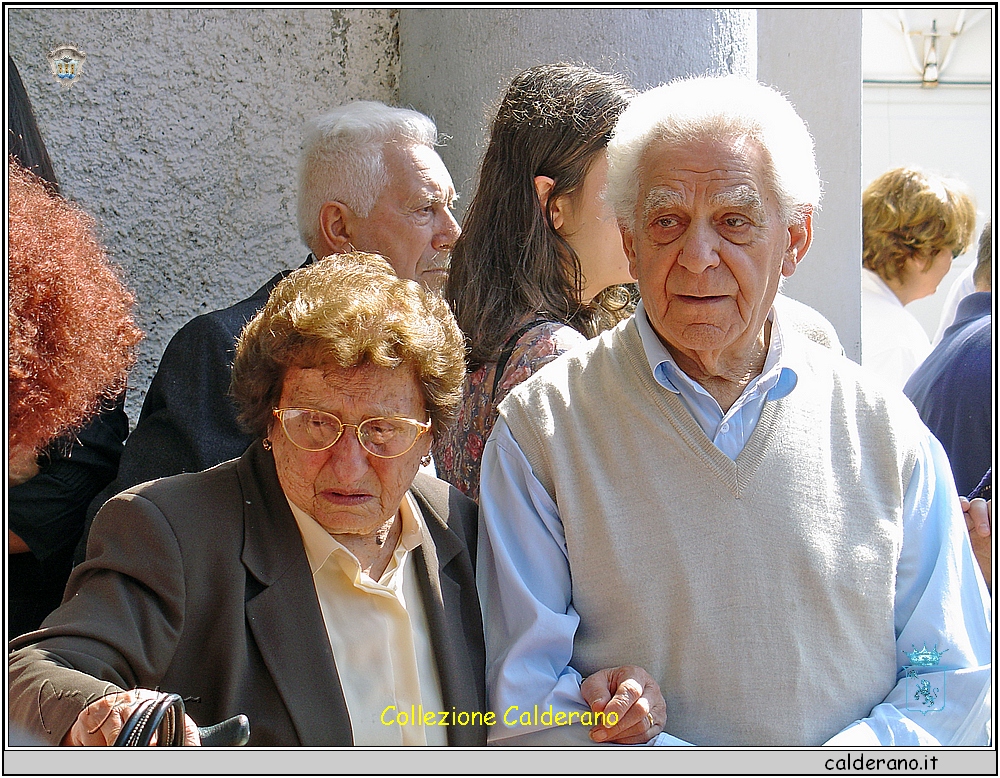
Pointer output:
539, 267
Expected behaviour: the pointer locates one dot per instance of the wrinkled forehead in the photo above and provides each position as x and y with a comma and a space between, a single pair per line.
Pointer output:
728, 171
416, 166
331, 387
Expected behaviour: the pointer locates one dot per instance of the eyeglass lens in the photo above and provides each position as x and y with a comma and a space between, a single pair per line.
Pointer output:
317, 430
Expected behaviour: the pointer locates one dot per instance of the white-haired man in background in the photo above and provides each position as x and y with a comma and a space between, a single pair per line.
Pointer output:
706, 494
369, 180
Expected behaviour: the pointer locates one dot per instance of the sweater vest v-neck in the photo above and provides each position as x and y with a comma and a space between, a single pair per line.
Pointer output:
759, 593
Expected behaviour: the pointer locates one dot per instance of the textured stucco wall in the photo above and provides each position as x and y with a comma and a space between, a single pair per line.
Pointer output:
455, 63
182, 134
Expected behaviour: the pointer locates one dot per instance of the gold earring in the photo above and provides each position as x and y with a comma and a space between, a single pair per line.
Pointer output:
425, 460
266, 443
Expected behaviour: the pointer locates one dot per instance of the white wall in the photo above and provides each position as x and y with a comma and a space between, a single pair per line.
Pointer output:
814, 57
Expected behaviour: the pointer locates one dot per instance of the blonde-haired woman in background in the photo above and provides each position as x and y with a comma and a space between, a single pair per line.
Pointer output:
913, 225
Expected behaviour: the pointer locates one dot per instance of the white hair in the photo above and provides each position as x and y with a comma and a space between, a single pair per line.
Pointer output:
723, 108
341, 157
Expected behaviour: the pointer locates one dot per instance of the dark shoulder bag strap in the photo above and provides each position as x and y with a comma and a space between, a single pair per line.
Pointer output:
508, 350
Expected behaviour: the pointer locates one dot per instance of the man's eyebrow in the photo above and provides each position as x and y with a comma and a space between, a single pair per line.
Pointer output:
435, 196
743, 196
660, 197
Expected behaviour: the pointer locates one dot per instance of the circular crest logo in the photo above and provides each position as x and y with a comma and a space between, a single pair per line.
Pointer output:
66, 63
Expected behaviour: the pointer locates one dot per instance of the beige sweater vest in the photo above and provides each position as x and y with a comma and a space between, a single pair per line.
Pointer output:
759, 593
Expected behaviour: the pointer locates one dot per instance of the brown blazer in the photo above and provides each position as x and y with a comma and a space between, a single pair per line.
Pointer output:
199, 584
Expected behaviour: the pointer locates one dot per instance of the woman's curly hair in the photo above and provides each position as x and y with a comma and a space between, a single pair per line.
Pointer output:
906, 213
344, 311
71, 336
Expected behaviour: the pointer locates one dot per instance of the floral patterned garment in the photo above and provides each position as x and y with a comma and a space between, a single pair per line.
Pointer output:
459, 449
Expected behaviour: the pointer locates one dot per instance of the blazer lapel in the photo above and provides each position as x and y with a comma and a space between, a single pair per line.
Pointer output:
283, 612
442, 596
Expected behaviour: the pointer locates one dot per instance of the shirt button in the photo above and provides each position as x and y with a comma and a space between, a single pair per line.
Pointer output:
724, 428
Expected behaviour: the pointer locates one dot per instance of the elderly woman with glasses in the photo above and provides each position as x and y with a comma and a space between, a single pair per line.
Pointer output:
318, 584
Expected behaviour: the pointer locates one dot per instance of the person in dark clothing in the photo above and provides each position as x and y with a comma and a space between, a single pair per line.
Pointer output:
46, 512
951, 389
318, 584
24, 139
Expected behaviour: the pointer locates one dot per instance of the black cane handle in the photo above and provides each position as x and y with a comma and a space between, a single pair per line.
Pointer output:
226, 734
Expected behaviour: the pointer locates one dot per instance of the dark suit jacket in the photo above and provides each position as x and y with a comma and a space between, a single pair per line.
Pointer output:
48, 512
188, 421
199, 585
952, 391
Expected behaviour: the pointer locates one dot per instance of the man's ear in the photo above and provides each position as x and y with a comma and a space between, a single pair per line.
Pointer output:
543, 188
335, 230
629, 246
799, 239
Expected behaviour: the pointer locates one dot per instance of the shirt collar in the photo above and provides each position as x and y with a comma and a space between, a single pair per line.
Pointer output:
777, 379
974, 306
320, 544
873, 283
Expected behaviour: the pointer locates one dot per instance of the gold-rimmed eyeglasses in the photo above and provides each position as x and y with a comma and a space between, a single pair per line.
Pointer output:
385, 437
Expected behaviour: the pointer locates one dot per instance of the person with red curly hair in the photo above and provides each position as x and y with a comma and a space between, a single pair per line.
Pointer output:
71, 334
48, 511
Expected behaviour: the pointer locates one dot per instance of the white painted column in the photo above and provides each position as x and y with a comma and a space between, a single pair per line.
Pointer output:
814, 57
455, 63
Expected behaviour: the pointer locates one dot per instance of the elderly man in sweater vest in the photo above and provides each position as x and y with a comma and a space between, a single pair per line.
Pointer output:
703, 493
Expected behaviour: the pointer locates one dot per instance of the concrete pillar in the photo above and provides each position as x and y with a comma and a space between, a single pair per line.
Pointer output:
814, 57
455, 63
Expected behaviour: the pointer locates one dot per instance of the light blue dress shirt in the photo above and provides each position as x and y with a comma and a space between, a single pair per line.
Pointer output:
525, 586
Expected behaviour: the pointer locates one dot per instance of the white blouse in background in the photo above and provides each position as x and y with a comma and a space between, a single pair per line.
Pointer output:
893, 343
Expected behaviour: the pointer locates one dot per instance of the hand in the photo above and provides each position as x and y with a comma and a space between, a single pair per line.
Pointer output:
22, 465
100, 722
979, 520
629, 696
15, 545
